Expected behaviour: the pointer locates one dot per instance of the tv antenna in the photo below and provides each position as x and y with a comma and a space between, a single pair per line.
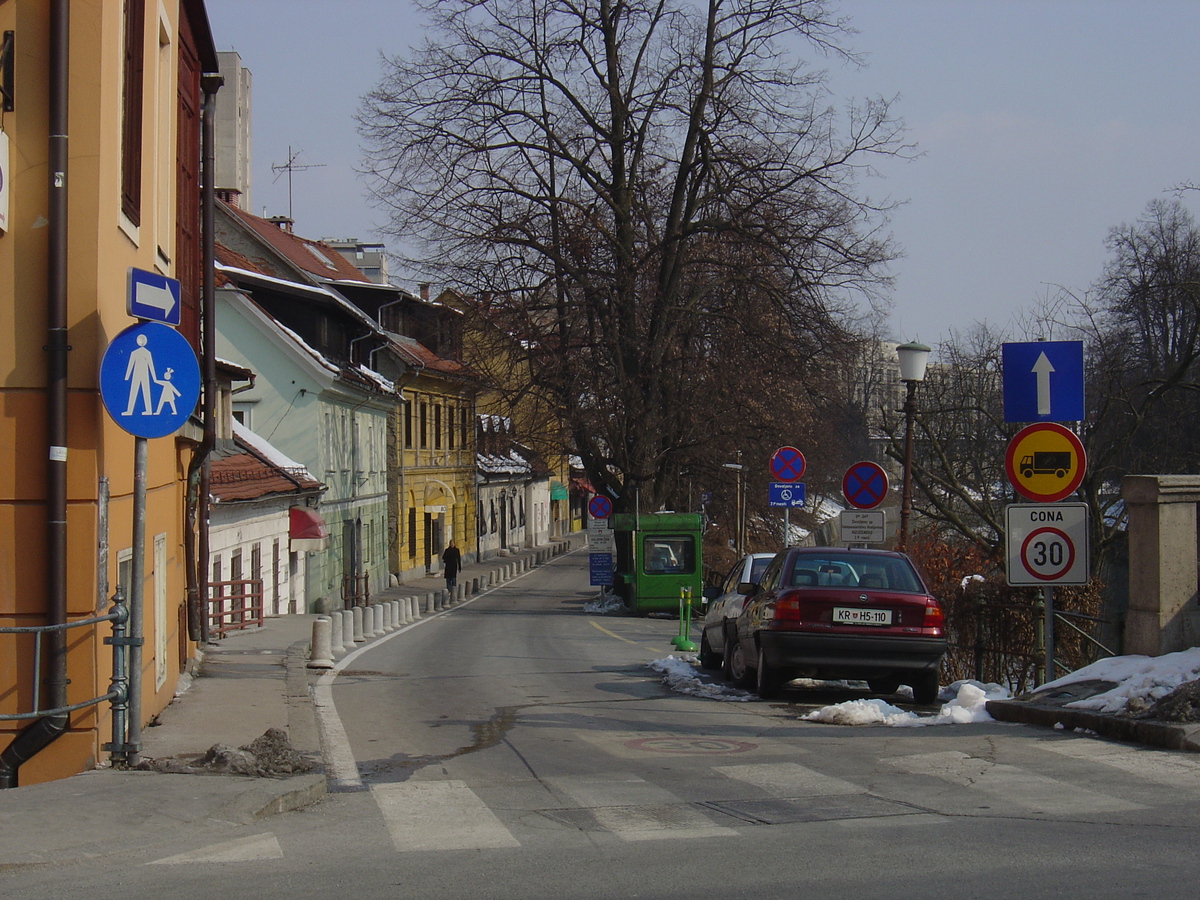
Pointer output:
293, 164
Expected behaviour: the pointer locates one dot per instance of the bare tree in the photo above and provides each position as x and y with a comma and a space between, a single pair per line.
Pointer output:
652, 196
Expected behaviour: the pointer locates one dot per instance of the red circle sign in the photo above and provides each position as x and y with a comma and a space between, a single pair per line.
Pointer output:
864, 485
1045, 462
1047, 553
787, 464
600, 507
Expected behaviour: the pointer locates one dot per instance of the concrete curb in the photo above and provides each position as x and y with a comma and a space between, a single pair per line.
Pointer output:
267, 797
1169, 735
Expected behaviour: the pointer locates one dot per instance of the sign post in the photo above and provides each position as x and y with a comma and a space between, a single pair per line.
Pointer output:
149, 383
787, 465
1047, 545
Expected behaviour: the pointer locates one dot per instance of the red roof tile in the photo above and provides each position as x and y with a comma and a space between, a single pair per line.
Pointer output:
314, 257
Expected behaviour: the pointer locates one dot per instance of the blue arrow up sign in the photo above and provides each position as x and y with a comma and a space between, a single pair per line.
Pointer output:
1043, 381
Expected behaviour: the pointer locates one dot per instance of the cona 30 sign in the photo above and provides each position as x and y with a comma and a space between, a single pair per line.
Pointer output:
1047, 543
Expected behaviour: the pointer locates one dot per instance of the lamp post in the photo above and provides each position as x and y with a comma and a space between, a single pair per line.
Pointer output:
913, 358
738, 513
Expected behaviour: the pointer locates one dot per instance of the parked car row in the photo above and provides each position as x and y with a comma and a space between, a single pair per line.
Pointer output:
826, 613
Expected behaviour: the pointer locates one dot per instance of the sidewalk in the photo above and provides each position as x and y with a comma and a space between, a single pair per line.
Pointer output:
248, 682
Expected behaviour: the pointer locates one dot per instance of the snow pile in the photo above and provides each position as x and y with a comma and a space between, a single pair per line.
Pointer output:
680, 675
968, 705
1139, 680
604, 604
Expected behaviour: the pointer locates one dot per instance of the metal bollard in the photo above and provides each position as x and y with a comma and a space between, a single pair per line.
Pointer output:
320, 656
357, 615
337, 633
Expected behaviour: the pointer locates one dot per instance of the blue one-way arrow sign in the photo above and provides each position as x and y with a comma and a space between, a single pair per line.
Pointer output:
1043, 381
152, 296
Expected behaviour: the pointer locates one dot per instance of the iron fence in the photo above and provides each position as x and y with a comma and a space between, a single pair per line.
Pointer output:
234, 605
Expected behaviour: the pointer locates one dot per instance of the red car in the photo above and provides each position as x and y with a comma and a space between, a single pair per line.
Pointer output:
832, 613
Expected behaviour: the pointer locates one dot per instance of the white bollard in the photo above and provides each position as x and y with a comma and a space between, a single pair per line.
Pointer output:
347, 629
357, 614
429, 601
320, 656
337, 631
377, 615
460, 592
412, 613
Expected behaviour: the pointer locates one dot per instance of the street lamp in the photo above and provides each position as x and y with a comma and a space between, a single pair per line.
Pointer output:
738, 514
913, 358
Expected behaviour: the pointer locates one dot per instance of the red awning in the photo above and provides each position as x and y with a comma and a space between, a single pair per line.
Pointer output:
306, 529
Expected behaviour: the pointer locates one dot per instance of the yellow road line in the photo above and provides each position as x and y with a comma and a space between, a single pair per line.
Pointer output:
609, 633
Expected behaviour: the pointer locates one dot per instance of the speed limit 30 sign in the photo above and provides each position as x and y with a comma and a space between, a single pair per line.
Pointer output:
1047, 543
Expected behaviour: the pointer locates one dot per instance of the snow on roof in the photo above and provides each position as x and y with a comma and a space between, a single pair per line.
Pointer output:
266, 449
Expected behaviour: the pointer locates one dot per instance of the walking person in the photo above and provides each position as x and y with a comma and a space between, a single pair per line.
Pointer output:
451, 565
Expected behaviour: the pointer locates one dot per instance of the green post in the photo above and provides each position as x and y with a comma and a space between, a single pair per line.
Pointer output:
685, 622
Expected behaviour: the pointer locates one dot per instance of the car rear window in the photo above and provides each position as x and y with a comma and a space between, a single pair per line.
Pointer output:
861, 573
757, 567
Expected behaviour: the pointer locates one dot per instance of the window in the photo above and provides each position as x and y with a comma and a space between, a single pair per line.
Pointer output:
450, 429
131, 111
481, 520
424, 425
668, 555
412, 531
437, 426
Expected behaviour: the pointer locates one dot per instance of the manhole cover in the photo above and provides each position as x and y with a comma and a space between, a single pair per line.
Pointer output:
690, 746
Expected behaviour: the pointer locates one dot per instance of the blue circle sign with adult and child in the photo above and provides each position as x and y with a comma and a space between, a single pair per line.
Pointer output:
149, 380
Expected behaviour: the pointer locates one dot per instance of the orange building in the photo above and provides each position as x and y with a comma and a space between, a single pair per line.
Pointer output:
100, 150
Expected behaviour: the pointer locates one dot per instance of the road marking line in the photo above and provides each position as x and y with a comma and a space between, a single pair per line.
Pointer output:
790, 780
439, 815
609, 633
341, 768
261, 846
1011, 784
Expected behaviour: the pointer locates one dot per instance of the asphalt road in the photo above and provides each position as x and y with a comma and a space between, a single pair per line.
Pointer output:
520, 747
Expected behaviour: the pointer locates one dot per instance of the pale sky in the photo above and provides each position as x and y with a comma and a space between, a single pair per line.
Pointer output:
1042, 124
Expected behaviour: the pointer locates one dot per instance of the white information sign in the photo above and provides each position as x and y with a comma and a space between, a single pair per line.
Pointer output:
1047, 543
600, 541
862, 526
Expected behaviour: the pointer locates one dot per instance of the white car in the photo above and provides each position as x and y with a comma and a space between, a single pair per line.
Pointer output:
728, 606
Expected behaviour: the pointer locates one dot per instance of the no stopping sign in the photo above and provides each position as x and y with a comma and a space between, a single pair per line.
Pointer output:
1047, 543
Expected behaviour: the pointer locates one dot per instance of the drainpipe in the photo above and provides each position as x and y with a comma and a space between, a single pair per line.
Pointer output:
196, 535
44, 731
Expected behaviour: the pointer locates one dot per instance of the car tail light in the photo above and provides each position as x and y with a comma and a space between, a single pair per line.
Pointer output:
786, 609
933, 616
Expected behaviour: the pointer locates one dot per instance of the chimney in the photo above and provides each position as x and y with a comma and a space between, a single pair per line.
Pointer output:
424, 287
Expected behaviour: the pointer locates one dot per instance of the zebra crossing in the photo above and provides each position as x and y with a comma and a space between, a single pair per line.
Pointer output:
912, 789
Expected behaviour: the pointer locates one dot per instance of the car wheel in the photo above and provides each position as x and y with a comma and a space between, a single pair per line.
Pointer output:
884, 684
925, 688
708, 658
769, 681
735, 664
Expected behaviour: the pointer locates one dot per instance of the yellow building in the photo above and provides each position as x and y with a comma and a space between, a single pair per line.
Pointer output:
100, 141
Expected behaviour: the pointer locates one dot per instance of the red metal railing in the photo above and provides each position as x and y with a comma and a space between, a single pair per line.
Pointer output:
234, 605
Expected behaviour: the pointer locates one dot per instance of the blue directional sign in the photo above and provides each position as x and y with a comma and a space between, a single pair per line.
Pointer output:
1043, 381
787, 494
149, 380
152, 296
